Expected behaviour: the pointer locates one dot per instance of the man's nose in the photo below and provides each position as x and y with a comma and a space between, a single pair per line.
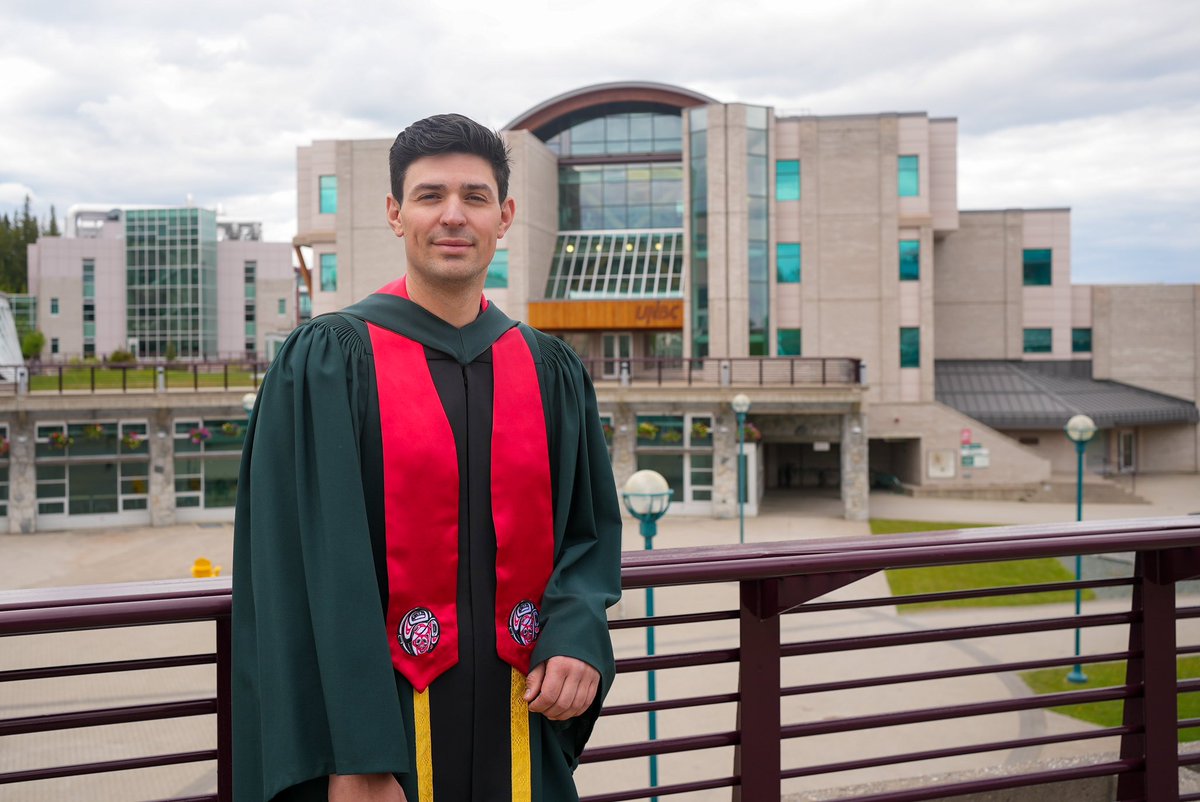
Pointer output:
452, 212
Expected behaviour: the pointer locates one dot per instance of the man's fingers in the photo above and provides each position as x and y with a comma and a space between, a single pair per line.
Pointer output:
551, 687
533, 683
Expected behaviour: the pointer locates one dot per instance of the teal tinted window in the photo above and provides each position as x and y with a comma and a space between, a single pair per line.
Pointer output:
54, 306
910, 347
497, 273
910, 259
787, 179
328, 191
788, 341
787, 262
1038, 263
282, 306
1081, 341
328, 272
908, 176
1038, 341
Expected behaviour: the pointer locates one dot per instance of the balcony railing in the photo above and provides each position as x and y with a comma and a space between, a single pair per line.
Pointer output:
758, 371
138, 377
241, 374
750, 729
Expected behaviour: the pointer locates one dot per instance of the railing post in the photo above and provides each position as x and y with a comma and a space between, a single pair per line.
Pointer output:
1152, 634
224, 710
756, 758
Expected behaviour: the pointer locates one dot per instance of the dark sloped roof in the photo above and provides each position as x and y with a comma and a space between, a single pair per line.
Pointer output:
1044, 395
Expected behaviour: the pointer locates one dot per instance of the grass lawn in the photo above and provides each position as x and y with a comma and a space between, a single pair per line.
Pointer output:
1103, 675
906, 581
80, 378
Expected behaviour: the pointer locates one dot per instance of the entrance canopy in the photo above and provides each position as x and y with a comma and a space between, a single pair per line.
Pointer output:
1043, 395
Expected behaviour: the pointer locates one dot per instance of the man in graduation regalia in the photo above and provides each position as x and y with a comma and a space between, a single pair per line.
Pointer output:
427, 528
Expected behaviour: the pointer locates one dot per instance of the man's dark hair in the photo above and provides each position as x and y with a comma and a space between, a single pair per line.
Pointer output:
447, 133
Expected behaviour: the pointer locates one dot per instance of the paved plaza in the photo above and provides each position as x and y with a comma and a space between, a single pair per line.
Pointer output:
92, 557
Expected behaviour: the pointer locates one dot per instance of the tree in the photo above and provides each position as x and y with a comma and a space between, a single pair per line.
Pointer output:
32, 345
51, 230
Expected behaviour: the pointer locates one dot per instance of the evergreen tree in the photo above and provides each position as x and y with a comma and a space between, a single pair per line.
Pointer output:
52, 229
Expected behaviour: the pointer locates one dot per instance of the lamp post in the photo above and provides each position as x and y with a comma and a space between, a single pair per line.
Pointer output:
741, 405
647, 496
1080, 429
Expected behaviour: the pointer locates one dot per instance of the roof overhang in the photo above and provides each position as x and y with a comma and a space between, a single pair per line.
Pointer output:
576, 100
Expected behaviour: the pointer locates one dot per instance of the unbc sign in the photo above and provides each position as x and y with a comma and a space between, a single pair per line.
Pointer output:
659, 315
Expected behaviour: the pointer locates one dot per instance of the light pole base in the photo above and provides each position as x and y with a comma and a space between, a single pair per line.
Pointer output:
1077, 675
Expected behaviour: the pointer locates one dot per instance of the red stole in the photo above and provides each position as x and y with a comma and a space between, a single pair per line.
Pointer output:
421, 504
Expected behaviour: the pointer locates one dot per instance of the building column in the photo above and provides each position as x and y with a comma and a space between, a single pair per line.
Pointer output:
725, 464
624, 441
22, 477
855, 474
162, 469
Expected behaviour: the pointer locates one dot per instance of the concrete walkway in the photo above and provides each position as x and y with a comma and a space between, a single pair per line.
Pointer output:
74, 558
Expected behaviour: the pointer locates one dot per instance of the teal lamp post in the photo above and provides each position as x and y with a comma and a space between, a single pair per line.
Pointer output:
1080, 429
647, 496
741, 405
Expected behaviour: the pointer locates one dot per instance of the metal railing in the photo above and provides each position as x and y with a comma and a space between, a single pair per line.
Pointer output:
139, 377
757, 371
774, 581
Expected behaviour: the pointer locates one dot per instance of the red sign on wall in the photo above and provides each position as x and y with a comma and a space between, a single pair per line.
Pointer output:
966, 437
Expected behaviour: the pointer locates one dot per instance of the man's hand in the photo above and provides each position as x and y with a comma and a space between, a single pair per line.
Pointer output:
365, 788
561, 688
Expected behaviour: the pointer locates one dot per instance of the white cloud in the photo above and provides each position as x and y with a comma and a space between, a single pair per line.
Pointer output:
1070, 102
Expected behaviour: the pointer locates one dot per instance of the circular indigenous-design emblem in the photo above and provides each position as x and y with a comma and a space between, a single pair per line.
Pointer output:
419, 631
524, 623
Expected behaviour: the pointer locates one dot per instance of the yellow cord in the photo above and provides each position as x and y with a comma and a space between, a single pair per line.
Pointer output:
522, 790
424, 746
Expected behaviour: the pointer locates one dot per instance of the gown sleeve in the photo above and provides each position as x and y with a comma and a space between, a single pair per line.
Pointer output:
313, 687
587, 530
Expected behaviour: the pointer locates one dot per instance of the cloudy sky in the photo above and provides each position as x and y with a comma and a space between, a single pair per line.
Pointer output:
1093, 105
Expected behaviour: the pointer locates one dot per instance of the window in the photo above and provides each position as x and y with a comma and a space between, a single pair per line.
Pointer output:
497, 272
680, 448
787, 180
788, 342
1037, 341
328, 192
910, 347
910, 259
1081, 341
54, 345
329, 272
908, 177
282, 307
1038, 263
53, 306
787, 262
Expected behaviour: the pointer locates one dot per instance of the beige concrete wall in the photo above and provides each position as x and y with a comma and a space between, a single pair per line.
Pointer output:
56, 271
912, 139
938, 427
273, 281
312, 162
534, 188
1148, 336
1169, 449
1051, 445
977, 287
1049, 307
943, 174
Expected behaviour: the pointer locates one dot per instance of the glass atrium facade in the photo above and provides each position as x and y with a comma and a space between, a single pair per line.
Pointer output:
171, 281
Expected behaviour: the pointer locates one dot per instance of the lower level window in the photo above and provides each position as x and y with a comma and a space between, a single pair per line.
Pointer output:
788, 341
1038, 341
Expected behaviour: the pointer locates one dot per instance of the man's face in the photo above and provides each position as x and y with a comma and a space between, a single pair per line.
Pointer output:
450, 217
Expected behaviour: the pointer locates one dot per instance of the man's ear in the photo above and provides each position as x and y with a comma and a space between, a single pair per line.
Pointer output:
507, 210
393, 216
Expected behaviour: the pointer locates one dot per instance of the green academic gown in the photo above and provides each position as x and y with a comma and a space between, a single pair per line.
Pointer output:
314, 689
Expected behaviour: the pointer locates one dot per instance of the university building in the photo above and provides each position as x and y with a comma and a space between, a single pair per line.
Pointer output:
160, 282
689, 249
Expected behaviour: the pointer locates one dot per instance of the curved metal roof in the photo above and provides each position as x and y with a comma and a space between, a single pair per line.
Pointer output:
1043, 395
599, 94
